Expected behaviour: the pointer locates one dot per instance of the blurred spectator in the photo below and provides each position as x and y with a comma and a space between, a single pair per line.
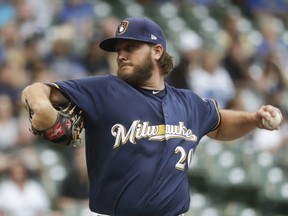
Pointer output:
8, 124
178, 77
40, 72
208, 3
237, 102
272, 42
238, 48
107, 29
30, 51
276, 8
237, 64
271, 81
107, 26
7, 12
95, 60
9, 39
271, 141
79, 14
73, 197
32, 15
63, 61
2, 50
190, 44
7, 81
211, 80
254, 9
20, 195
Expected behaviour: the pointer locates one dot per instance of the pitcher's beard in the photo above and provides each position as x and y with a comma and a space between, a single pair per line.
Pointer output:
139, 75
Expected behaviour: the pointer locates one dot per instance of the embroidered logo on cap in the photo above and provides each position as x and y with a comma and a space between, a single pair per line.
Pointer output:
153, 37
122, 27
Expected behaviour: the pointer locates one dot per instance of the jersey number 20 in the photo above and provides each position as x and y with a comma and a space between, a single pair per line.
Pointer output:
184, 159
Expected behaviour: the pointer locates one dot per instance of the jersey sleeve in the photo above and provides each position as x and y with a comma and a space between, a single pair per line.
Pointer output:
213, 111
208, 115
83, 92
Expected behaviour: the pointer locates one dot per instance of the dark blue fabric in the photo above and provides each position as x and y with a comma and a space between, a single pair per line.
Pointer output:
138, 174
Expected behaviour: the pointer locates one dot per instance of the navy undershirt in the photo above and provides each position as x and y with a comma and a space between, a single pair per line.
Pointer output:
158, 93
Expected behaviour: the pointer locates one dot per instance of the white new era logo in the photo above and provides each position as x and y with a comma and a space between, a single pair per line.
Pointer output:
153, 37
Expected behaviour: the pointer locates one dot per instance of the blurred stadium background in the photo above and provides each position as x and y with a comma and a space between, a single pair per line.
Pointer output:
234, 51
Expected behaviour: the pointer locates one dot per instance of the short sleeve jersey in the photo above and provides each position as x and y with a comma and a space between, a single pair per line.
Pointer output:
138, 145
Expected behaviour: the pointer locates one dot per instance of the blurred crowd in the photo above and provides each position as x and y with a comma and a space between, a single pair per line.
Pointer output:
233, 51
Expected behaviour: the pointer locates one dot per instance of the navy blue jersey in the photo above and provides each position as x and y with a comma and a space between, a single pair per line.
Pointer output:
139, 145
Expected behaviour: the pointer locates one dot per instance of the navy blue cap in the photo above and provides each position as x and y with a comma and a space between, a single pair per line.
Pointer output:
139, 29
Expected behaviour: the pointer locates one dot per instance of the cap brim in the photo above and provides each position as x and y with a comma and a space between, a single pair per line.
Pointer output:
110, 43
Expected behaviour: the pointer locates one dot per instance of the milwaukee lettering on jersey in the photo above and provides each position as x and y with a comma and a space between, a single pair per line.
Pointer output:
140, 130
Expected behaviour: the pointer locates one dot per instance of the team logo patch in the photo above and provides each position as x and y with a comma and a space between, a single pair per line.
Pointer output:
122, 27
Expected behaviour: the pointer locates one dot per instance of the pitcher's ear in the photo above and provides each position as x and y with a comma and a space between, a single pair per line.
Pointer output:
158, 51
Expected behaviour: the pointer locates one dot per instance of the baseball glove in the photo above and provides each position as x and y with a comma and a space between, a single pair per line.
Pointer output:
67, 128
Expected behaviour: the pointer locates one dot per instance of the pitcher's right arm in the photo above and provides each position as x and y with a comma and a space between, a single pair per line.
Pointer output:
40, 98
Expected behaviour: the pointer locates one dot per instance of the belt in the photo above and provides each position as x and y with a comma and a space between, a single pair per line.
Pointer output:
97, 214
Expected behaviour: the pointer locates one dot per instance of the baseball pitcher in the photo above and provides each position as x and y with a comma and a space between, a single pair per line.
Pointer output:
140, 132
